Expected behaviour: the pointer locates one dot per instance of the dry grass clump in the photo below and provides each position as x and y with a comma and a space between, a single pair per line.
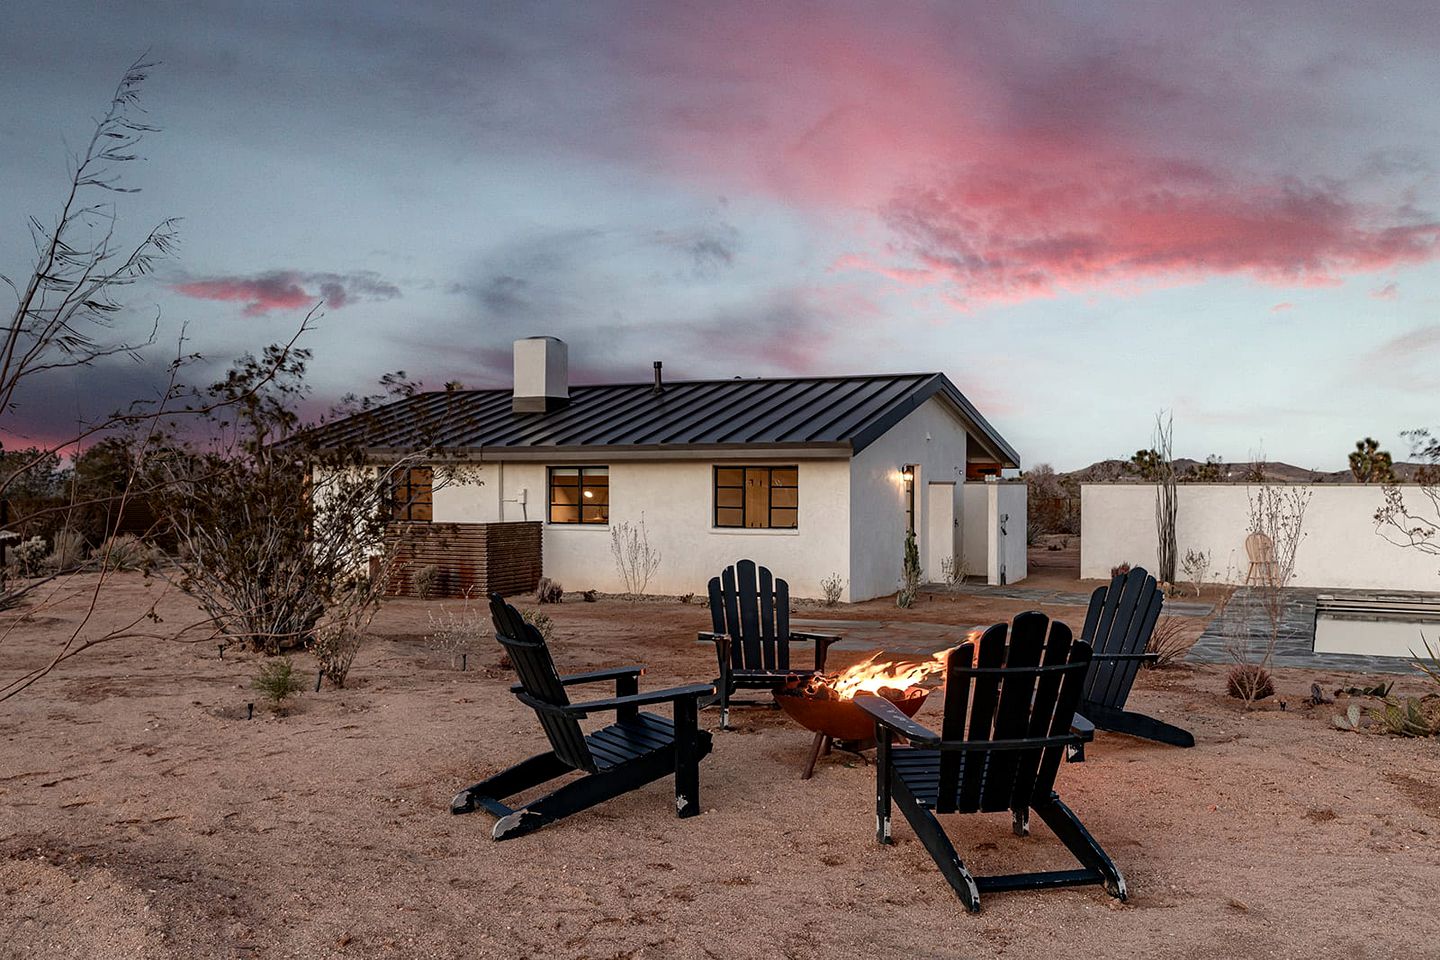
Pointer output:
1249, 682
1170, 641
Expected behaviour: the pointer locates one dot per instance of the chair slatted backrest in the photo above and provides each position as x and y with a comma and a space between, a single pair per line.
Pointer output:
1021, 680
1120, 620
753, 609
539, 678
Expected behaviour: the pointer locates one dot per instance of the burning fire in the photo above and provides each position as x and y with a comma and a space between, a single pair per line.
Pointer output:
872, 674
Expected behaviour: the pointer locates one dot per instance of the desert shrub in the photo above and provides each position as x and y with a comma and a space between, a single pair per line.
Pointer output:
277, 682
911, 574
1408, 716
1120, 569
832, 587
548, 591
340, 631
1196, 567
1249, 682
589, 596
635, 559
953, 571
687, 598
127, 552
66, 552
425, 580
1169, 641
541, 622
455, 634
29, 557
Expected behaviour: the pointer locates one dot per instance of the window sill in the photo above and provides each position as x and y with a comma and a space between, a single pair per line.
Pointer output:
758, 531
576, 526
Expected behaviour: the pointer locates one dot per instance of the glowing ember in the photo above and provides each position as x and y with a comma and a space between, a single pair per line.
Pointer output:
872, 675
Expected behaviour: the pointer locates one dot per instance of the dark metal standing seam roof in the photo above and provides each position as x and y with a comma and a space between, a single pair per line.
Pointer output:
849, 412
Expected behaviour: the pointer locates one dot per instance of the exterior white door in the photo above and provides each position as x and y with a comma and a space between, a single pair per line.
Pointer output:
939, 528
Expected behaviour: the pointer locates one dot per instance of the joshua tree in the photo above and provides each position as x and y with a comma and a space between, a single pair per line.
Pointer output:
1370, 464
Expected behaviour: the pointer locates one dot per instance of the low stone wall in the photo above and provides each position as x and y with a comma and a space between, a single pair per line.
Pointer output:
470, 559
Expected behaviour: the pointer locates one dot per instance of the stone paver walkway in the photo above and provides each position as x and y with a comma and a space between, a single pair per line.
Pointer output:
1246, 621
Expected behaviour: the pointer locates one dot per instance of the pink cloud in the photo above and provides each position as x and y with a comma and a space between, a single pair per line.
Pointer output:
1009, 165
1388, 291
1282, 307
288, 289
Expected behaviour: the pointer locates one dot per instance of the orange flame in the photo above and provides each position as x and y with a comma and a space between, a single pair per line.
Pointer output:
872, 673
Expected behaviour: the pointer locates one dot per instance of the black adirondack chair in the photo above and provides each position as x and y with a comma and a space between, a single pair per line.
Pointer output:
1007, 722
1118, 626
633, 751
750, 613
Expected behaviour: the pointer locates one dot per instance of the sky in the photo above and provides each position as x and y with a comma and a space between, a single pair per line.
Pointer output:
1082, 213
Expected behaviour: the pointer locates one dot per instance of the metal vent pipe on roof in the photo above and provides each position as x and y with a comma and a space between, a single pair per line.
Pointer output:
659, 386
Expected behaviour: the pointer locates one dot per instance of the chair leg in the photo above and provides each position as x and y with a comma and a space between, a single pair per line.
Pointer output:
883, 800
1077, 839
941, 850
814, 755
583, 794
687, 759
1139, 725
725, 697
525, 775
1020, 821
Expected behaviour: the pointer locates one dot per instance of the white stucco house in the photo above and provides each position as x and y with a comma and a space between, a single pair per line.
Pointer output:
810, 476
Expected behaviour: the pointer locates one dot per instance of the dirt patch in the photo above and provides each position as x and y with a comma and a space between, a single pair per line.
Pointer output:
142, 816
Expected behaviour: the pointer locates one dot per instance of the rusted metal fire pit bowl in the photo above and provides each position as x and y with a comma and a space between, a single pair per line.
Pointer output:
816, 707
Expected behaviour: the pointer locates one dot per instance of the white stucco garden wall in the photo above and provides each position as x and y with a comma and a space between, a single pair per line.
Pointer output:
995, 520
675, 499
1341, 548
933, 439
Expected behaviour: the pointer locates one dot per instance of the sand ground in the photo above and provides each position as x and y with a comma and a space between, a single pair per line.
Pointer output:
141, 815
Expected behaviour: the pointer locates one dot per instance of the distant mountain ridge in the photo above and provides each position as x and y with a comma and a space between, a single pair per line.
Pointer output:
1118, 471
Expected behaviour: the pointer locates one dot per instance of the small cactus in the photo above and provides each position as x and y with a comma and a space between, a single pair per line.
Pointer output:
1349, 720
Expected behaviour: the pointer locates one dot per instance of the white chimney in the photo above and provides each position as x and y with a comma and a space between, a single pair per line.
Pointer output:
542, 375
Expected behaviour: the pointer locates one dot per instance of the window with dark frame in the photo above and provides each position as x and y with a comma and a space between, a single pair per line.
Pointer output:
411, 495
580, 495
757, 497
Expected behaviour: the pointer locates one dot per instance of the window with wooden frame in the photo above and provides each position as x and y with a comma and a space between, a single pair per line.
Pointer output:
757, 497
410, 495
580, 495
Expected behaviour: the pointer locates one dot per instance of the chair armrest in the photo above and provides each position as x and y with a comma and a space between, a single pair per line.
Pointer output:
825, 638
887, 715
719, 639
1125, 656
593, 676
1082, 727
822, 643
1001, 746
641, 699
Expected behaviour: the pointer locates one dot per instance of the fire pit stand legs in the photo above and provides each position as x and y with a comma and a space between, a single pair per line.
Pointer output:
821, 746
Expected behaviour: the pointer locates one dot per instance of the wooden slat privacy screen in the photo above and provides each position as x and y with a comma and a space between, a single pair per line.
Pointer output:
469, 557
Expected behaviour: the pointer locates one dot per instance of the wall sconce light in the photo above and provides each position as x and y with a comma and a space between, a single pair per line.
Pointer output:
907, 472
589, 494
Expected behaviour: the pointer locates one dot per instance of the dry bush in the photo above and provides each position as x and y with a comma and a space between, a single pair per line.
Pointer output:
1170, 642
635, 559
953, 571
541, 622
548, 591
832, 587
456, 634
67, 551
1120, 569
127, 552
1196, 567
1249, 682
424, 580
